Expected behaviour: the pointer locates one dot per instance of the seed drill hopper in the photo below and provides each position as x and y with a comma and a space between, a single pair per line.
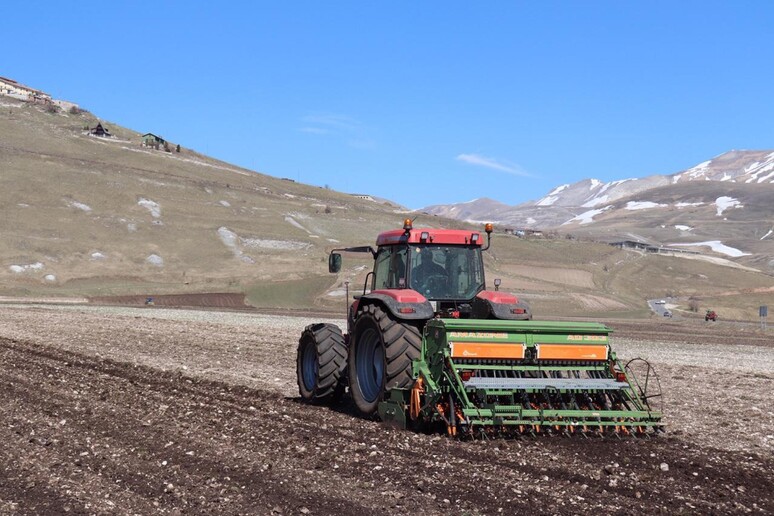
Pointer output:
427, 346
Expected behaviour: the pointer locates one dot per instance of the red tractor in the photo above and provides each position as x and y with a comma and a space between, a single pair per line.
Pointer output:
710, 315
418, 275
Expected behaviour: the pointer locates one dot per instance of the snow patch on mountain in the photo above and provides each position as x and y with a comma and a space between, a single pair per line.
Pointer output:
616, 183
680, 205
274, 244
18, 269
756, 169
152, 206
587, 217
643, 205
155, 260
724, 203
293, 222
693, 173
682, 227
602, 199
552, 196
79, 206
235, 243
717, 246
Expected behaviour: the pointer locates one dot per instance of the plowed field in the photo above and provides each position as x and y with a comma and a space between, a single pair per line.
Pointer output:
116, 410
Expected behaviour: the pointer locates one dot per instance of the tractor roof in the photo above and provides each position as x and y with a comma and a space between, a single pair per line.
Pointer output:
430, 236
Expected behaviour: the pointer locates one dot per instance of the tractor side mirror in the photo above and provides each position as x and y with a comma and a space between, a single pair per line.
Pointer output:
334, 262
497, 283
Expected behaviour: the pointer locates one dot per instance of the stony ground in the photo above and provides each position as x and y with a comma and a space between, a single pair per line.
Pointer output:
108, 410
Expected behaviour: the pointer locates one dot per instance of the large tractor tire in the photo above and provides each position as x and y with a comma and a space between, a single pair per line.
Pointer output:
380, 356
320, 363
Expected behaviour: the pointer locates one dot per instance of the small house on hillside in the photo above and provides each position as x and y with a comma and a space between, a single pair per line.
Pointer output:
151, 140
100, 131
523, 232
648, 248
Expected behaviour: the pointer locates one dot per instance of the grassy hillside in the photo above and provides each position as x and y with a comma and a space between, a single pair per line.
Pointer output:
84, 216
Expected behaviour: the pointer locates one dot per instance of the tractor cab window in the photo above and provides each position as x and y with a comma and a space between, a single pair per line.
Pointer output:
446, 272
390, 267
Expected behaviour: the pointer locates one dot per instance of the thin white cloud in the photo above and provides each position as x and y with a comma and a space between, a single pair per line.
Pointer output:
332, 122
314, 130
493, 164
350, 130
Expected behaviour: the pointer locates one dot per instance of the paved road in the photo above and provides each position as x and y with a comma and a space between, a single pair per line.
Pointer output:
658, 307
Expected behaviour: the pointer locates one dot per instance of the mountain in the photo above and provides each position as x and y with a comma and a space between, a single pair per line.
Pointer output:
103, 216
726, 201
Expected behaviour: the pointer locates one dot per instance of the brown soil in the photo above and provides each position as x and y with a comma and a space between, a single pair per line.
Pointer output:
135, 411
208, 300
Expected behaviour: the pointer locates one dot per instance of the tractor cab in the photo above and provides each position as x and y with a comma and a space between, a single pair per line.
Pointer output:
419, 273
441, 272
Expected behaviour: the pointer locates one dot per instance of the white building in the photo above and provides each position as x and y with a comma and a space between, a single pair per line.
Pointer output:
11, 88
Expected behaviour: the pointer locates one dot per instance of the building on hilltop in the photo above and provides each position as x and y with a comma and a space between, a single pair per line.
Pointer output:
649, 248
11, 88
523, 232
365, 197
151, 140
100, 131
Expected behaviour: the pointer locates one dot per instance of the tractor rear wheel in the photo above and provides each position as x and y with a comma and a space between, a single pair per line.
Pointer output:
381, 352
320, 363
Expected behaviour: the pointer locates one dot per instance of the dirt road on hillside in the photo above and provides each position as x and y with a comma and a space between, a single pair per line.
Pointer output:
139, 411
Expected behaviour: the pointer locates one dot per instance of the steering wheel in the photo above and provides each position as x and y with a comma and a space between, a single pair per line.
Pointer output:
434, 282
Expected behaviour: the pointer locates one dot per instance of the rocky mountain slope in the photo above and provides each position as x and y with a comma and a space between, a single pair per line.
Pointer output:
724, 206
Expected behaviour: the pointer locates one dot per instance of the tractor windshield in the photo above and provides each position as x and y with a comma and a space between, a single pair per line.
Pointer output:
442, 272
438, 272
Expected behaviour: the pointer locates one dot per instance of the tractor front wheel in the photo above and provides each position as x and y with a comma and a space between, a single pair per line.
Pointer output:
320, 363
380, 357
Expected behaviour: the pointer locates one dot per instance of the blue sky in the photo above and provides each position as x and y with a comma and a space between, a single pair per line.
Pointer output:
419, 102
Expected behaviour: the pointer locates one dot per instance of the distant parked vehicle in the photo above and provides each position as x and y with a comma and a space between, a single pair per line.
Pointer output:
710, 316
661, 302
667, 313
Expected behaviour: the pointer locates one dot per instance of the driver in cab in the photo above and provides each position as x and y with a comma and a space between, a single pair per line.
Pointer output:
427, 274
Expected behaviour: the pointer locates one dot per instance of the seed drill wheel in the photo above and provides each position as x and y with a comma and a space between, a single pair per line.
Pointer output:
646, 383
320, 363
380, 356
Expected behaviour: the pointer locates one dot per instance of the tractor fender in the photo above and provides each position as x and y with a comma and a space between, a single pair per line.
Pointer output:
499, 305
403, 304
